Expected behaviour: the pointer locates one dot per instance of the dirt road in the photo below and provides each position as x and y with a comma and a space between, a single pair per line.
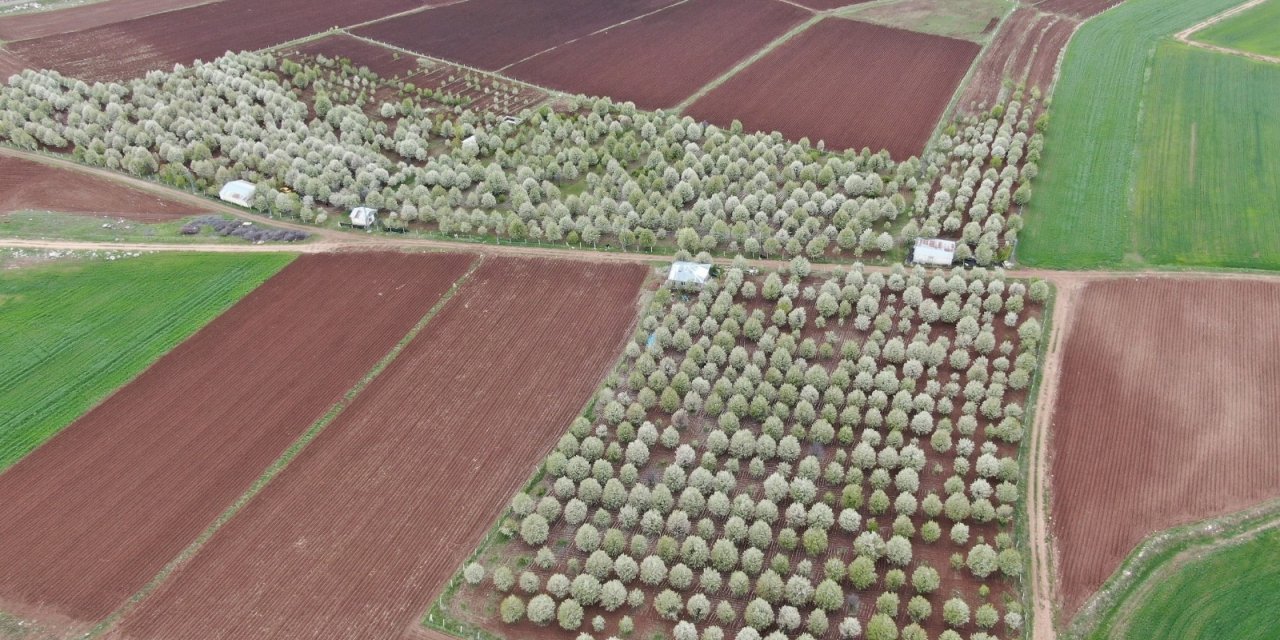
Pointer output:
1184, 36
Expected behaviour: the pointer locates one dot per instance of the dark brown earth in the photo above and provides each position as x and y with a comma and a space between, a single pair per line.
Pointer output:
491, 34
27, 185
93, 515
661, 59
38, 24
1165, 416
359, 534
887, 92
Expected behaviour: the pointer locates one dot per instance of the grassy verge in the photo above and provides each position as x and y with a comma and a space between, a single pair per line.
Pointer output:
285, 458
75, 331
1198, 571
1255, 31
49, 225
1026, 451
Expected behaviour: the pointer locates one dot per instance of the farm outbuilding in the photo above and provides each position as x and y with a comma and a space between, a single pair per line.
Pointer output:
364, 217
239, 192
934, 251
689, 274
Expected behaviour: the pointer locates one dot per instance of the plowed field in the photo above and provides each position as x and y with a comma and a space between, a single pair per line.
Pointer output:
94, 514
359, 534
661, 59
1165, 416
887, 92
491, 34
1025, 50
823, 5
26, 185
130, 48
44, 23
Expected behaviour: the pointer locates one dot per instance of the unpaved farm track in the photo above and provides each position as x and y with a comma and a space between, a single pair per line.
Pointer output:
361, 531
1165, 416
93, 515
1184, 36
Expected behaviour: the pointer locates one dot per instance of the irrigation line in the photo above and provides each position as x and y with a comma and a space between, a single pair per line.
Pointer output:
282, 462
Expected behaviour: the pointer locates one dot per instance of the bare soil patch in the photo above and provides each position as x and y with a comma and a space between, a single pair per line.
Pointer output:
1164, 416
94, 514
887, 92
130, 48
663, 58
25, 26
491, 34
28, 185
359, 534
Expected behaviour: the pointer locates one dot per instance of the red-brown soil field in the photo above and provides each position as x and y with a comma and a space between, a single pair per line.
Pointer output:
94, 514
824, 5
661, 59
38, 24
853, 84
1025, 50
31, 185
130, 48
491, 34
1165, 415
361, 531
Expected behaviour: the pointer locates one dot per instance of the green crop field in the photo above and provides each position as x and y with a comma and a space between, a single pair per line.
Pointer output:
76, 331
1226, 594
1208, 177
1079, 216
1256, 30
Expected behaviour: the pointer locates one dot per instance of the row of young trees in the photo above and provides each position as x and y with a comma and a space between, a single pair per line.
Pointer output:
597, 173
767, 450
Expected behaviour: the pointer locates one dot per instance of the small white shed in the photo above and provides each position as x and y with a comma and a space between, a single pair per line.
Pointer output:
934, 251
364, 217
239, 192
471, 145
689, 274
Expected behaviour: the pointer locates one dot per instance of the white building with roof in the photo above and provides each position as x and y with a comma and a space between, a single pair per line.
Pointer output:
364, 217
689, 274
239, 192
934, 251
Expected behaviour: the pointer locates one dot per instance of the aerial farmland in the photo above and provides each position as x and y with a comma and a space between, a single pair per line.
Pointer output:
642, 319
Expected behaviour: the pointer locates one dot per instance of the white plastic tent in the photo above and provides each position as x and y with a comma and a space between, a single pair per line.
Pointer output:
364, 216
689, 273
934, 251
239, 192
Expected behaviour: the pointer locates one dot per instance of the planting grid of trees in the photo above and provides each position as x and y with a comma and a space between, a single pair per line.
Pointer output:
95, 513
601, 173
798, 457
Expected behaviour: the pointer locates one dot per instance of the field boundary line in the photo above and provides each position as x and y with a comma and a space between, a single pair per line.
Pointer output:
1043, 560
285, 458
437, 616
1160, 553
600, 30
747, 62
1184, 36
